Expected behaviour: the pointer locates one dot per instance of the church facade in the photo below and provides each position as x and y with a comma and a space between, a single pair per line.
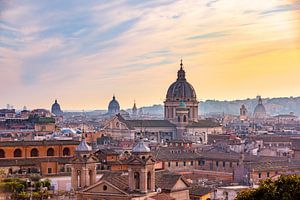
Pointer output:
181, 118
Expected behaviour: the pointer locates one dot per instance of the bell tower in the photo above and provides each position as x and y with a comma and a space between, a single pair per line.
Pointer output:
83, 166
141, 169
243, 112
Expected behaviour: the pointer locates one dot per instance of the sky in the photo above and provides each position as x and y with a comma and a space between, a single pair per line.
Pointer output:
84, 52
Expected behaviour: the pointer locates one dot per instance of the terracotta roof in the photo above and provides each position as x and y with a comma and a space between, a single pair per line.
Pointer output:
118, 179
162, 196
167, 180
273, 165
164, 179
176, 154
151, 123
204, 124
200, 190
216, 138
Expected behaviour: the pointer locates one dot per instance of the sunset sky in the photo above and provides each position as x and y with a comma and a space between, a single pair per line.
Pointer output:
83, 52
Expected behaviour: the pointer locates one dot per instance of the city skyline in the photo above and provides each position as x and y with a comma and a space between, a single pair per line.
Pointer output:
230, 50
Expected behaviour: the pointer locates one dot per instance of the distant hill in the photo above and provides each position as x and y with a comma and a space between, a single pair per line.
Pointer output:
274, 106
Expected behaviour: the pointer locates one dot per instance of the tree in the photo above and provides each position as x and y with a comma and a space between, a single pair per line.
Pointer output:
284, 188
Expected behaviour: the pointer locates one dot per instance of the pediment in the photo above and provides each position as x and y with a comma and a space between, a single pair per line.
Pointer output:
104, 187
77, 160
138, 161
180, 184
112, 123
90, 159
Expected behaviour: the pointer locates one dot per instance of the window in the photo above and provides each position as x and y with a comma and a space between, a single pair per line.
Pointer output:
178, 118
34, 152
49, 170
259, 175
2, 153
217, 163
104, 187
184, 163
268, 174
176, 164
137, 180
66, 151
17, 153
169, 164
230, 164
192, 163
201, 162
224, 163
184, 118
50, 152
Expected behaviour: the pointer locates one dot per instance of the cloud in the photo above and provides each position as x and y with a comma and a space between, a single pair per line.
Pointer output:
103, 46
209, 35
282, 8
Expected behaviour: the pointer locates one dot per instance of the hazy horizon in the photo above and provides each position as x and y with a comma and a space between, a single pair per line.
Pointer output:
82, 54
86, 109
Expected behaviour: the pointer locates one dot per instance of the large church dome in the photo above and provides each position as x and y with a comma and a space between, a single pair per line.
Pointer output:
113, 106
181, 89
260, 110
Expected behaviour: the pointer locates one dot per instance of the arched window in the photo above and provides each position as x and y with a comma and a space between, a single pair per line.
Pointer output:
66, 151
137, 180
17, 153
2, 153
184, 118
34, 152
149, 181
50, 152
178, 118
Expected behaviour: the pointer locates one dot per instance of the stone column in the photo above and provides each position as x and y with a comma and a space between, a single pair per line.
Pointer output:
74, 178
84, 177
143, 181
130, 179
152, 180
93, 175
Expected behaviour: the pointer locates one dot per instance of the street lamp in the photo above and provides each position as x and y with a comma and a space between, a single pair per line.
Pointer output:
29, 185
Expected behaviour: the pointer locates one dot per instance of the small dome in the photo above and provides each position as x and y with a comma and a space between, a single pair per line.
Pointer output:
141, 147
83, 146
181, 89
113, 107
55, 109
